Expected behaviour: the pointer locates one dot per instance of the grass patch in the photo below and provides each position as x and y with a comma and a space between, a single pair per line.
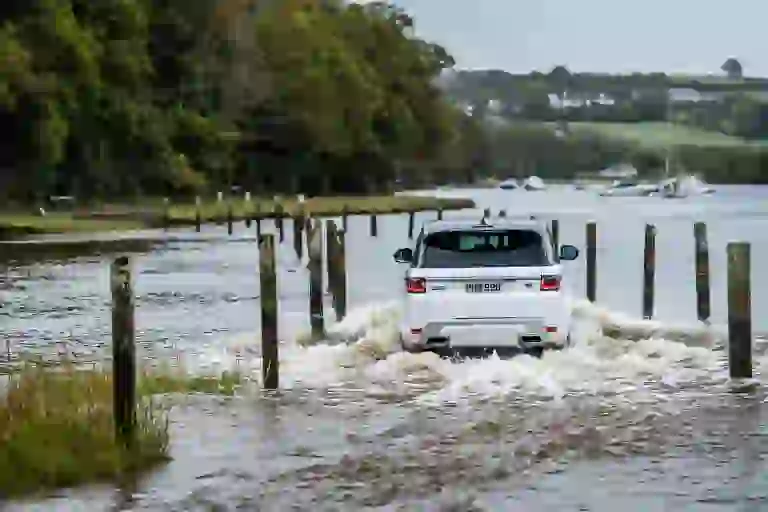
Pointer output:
318, 206
150, 215
18, 225
56, 427
656, 136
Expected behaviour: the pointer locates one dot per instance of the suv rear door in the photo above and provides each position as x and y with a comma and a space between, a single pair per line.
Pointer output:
481, 273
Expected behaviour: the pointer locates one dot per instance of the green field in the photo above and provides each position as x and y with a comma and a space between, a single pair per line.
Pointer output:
662, 135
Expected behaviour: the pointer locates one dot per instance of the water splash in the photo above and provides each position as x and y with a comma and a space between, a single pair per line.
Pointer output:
612, 355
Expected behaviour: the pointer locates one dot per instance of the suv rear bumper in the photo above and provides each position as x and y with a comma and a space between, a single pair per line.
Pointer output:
513, 335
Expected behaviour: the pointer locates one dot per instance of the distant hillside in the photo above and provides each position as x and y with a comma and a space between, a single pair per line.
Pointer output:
660, 136
483, 85
730, 104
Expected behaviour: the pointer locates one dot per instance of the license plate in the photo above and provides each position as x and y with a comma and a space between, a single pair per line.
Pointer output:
483, 287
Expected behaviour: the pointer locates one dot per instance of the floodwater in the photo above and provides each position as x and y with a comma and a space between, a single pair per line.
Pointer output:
640, 422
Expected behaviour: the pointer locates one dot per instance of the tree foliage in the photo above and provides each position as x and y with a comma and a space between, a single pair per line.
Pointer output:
121, 97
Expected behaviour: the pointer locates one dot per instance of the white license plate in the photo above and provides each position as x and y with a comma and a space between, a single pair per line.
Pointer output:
483, 287
485, 336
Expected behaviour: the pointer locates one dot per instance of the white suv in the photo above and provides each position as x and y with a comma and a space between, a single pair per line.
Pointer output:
492, 285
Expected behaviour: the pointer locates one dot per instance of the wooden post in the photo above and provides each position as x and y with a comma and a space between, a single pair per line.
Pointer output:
591, 261
278, 213
315, 251
298, 232
440, 214
166, 212
649, 270
739, 311
270, 362
248, 206
198, 214
230, 216
123, 352
411, 224
374, 225
344, 218
257, 218
556, 237
330, 258
340, 275
703, 304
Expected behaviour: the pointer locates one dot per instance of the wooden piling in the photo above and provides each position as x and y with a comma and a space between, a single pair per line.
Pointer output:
123, 352
411, 224
374, 228
703, 301
337, 274
166, 213
230, 217
248, 206
298, 232
344, 218
591, 261
198, 214
556, 237
439, 214
277, 210
315, 252
739, 311
270, 362
649, 270
340, 275
330, 258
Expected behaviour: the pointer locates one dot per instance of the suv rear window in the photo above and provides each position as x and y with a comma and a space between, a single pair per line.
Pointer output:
498, 248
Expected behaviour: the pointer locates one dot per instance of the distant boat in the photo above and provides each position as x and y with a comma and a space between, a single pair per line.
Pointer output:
629, 188
684, 186
534, 183
621, 171
509, 184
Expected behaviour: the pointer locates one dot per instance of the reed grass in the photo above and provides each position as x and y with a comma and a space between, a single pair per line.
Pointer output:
57, 430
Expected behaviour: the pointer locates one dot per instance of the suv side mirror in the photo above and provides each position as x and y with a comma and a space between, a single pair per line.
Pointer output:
403, 256
568, 252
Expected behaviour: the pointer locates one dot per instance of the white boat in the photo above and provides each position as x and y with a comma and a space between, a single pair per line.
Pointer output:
509, 184
629, 188
684, 186
534, 183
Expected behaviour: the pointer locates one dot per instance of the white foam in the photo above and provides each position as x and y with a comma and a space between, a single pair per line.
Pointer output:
612, 354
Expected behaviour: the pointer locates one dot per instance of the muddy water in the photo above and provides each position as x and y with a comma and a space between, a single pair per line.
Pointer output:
643, 425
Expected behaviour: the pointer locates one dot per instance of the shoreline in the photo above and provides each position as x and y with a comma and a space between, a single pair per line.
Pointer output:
23, 226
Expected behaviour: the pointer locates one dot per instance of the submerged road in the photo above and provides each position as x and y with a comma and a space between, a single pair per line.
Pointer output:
608, 424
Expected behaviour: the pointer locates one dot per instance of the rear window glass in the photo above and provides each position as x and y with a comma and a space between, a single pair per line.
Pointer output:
464, 249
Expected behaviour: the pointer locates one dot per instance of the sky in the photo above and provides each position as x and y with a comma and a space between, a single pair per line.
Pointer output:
684, 36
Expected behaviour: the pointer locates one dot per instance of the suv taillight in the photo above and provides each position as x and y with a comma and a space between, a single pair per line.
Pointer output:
416, 285
550, 283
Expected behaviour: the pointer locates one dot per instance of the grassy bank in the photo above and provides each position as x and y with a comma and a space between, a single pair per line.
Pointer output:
16, 225
184, 214
57, 431
658, 136
150, 215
